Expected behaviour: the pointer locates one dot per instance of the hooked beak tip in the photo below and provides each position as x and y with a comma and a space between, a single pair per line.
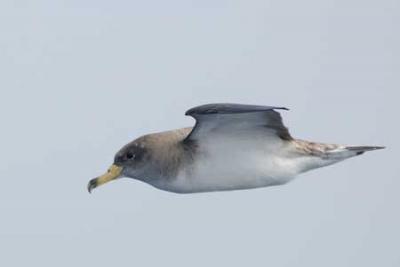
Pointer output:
113, 173
92, 185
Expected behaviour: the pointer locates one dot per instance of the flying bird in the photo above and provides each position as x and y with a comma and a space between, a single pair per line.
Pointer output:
231, 147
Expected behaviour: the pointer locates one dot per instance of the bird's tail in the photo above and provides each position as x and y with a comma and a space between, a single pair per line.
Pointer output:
331, 150
319, 154
344, 152
359, 150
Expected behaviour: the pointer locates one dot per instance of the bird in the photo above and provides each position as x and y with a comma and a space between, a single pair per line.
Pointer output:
230, 147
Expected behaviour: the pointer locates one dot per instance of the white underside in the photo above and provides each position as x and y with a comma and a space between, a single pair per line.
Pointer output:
232, 163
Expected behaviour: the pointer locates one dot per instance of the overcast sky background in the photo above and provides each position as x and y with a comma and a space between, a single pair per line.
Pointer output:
79, 79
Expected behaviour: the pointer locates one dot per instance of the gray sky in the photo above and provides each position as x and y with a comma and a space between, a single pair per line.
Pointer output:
79, 79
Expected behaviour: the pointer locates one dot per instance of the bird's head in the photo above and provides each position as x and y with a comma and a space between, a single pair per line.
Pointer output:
130, 161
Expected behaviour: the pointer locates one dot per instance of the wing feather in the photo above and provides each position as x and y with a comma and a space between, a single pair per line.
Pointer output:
213, 119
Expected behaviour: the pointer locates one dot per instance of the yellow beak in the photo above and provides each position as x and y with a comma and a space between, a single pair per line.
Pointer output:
113, 173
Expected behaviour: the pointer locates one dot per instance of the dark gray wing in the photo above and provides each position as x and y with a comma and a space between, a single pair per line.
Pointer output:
227, 118
226, 108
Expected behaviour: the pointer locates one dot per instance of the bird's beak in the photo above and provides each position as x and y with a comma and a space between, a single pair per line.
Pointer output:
113, 173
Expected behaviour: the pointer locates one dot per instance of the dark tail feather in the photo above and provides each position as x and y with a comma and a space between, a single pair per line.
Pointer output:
361, 149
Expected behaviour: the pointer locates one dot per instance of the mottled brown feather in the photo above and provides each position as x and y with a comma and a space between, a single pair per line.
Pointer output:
312, 148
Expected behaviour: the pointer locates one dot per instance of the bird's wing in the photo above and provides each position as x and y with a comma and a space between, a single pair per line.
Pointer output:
214, 120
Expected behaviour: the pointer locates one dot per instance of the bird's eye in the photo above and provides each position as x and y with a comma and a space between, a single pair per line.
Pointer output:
130, 155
